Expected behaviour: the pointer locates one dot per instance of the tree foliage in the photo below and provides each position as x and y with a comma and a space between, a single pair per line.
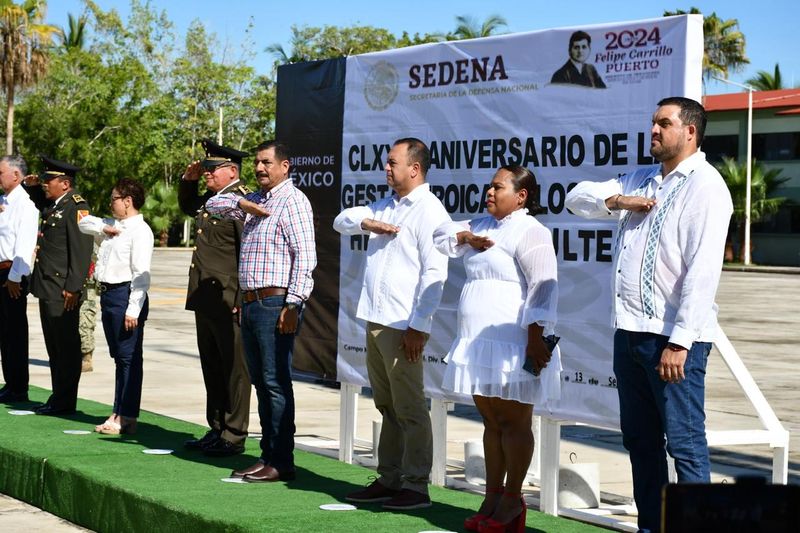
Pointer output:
310, 43
328, 42
763, 181
74, 36
159, 209
764, 81
24, 43
133, 102
724, 44
469, 28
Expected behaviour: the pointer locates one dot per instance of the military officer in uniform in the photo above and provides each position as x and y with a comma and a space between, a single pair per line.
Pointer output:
61, 266
213, 295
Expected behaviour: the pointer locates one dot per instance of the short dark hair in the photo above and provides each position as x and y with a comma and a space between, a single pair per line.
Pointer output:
282, 152
417, 153
17, 162
130, 187
579, 36
522, 178
692, 112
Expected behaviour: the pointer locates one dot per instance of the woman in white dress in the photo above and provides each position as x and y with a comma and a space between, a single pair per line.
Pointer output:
123, 270
507, 305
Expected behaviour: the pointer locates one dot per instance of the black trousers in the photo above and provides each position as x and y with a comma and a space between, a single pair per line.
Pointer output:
14, 336
225, 375
63, 342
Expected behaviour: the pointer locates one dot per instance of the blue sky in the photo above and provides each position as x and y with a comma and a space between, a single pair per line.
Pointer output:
770, 27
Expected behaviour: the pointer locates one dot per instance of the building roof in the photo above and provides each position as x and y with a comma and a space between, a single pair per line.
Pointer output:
784, 101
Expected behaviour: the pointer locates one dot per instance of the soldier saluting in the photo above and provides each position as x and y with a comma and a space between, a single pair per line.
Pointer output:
213, 295
61, 265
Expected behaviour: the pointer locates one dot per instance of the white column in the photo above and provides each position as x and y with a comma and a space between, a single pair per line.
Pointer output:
748, 194
439, 410
551, 451
348, 410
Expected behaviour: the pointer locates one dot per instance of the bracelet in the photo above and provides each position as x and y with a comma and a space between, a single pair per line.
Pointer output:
675, 347
616, 202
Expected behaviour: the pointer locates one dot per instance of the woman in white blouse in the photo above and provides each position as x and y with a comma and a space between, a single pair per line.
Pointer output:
507, 305
123, 270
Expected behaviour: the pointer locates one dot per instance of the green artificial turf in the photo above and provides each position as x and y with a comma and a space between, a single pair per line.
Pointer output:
106, 483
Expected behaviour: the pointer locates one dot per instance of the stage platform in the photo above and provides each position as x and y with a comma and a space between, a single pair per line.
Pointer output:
107, 483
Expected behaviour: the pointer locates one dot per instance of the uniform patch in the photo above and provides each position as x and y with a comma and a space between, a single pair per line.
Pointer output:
77, 198
244, 189
82, 213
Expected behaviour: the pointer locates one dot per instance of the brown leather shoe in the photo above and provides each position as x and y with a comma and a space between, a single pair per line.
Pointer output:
269, 474
249, 470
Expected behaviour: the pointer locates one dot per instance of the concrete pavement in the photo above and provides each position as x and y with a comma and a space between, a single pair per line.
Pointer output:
757, 311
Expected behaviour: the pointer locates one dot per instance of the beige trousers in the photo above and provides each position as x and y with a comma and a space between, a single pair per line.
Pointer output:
405, 452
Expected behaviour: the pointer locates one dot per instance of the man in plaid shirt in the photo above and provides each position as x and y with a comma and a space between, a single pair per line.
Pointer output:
276, 259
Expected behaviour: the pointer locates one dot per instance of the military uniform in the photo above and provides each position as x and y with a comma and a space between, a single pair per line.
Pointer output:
88, 322
88, 315
212, 294
62, 263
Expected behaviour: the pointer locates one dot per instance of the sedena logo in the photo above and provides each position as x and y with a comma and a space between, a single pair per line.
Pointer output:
460, 71
381, 86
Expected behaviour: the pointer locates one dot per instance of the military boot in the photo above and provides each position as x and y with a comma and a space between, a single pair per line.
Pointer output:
86, 363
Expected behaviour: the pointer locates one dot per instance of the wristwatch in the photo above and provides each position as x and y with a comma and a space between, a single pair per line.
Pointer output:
675, 347
291, 306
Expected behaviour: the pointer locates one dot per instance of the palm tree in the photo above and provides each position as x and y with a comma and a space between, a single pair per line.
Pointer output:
24, 41
764, 81
723, 44
763, 184
74, 38
468, 28
161, 210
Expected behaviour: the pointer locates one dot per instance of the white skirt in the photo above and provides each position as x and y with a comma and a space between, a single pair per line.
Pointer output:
492, 368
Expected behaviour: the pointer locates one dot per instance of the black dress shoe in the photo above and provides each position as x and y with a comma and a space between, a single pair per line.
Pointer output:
198, 444
270, 474
7, 396
49, 410
223, 448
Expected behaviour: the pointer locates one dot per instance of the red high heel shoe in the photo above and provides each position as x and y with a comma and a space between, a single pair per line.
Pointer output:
471, 523
516, 525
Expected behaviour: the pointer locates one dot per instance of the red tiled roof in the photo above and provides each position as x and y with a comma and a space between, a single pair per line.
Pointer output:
761, 100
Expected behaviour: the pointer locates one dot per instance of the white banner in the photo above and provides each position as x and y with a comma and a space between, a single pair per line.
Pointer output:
517, 99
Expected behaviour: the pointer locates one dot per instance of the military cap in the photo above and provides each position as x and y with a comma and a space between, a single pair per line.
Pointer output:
218, 155
54, 168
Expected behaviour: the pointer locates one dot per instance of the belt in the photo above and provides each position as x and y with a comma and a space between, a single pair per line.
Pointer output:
109, 286
264, 292
5, 265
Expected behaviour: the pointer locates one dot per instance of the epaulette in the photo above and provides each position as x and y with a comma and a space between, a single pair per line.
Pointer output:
244, 189
77, 198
